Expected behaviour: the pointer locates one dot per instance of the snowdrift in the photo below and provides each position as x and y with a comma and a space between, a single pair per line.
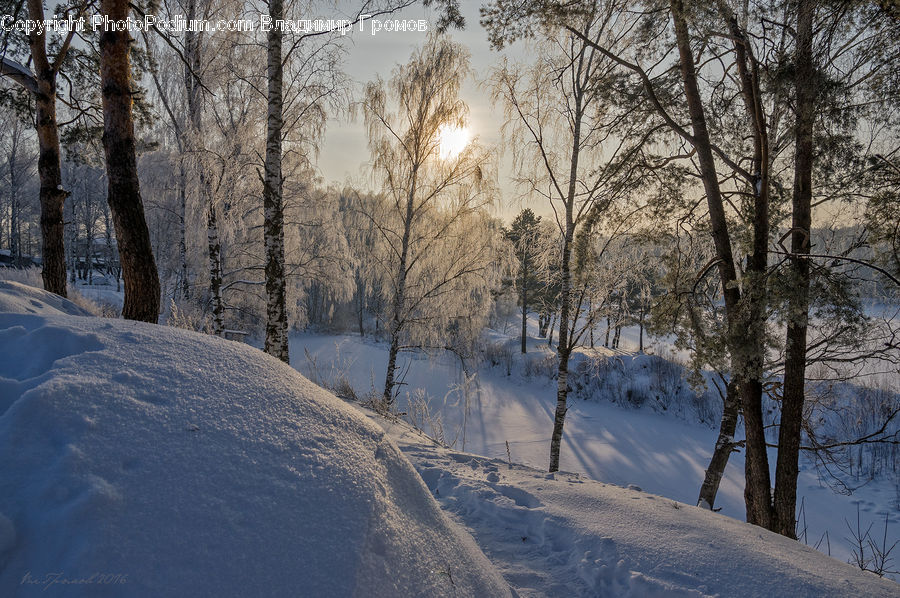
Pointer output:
564, 535
139, 460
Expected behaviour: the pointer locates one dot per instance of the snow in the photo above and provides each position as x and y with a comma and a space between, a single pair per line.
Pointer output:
661, 454
103, 292
140, 460
564, 535
20, 298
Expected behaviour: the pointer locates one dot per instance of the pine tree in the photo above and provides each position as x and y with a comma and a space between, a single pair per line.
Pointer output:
523, 233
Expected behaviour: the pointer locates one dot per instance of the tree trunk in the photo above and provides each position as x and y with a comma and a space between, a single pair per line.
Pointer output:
550, 329
389, 382
273, 208
73, 242
563, 352
400, 294
754, 287
787, 468
745, 356
215, 269
563, 348
641, 328
195, 112
591, 315
124, 196
52, 195
182, 236
722, 451
608, 329
14, 245
525, 304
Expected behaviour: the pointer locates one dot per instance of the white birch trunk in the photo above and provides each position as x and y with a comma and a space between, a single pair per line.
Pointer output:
273, 215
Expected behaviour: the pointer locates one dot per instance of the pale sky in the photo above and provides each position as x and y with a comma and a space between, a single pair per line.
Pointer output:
344, 154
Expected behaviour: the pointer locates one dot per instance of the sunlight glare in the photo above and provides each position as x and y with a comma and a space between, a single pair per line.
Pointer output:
453, 140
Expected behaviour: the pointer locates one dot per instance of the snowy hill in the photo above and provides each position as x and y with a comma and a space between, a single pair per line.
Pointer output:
564, 535
604, 440
139, 460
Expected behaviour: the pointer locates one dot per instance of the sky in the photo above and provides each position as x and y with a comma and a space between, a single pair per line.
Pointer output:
344, 155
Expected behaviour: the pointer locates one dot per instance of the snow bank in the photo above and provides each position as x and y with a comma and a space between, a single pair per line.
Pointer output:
23, 299
139, 460
563, 535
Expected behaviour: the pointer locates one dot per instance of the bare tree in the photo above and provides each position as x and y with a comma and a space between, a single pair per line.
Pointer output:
42, 85
429, 199
567, 153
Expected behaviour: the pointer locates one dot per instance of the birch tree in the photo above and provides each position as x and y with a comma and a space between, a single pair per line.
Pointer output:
436, 257
568, 154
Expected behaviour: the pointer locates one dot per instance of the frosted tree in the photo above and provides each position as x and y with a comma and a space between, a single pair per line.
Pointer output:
567, 153
436, 257
312, 88
19, 161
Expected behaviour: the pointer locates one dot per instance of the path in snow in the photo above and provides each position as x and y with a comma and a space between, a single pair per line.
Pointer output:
563, 535
608, 443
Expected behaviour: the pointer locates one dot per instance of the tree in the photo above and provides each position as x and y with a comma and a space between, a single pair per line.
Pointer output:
523, 233
42, 86
273, 227
435, 255
567, 153
276, 342
736, 144
831, 103
17, 151
883, 210
793, 396
142, 291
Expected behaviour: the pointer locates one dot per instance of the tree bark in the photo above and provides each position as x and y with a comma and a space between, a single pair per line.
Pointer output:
563, 348
525, 303
745, 350
182, 232
722, 451
273, 208
52, 194
400, 294
754, 287
787, 468
14, 244
73, 243
195, 111
135, 250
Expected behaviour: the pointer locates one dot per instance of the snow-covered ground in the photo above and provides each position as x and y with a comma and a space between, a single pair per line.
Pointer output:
104, 292
662, 454
564, 535
141, 460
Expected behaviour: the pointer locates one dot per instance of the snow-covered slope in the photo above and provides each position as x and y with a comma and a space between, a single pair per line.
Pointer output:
20, 298
664, 455
139, 460
564, 535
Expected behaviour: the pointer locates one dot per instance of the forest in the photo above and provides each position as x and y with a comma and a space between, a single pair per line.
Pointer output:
711, 186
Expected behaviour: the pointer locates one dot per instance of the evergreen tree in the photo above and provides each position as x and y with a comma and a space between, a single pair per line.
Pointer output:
523, 233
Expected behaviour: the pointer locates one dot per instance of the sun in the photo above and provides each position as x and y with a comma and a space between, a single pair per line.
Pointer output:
452, 140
